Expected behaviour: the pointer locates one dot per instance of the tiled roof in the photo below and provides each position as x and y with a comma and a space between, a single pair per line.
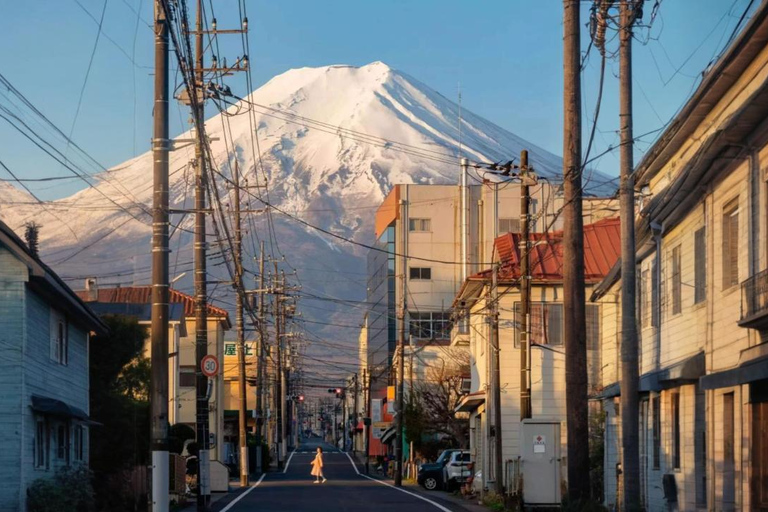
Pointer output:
602, 248
143, 295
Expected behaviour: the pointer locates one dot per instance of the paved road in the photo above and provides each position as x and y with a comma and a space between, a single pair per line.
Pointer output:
345, 490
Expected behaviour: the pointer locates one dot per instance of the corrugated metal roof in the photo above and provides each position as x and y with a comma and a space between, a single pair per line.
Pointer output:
602, 248
143, 295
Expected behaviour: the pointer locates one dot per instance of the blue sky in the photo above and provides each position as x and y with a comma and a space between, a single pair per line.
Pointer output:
506, 54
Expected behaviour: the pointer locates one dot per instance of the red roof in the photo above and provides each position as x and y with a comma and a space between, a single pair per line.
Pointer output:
602, 248
143, 295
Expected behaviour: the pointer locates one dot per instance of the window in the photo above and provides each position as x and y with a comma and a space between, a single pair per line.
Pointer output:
731, 244
79, 442
645, 294
509, 225
677, 282
655, 312
656, 406
62, 442
546, 323
421, 273
700, 266
675, 413
41, 444
429, 325
593, 326
59, 338
187, 376
419, 225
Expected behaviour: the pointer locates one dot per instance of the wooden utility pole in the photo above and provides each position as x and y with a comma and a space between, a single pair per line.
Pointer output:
401, 361
496, 382
573, 263
160, 296
197, 101
262, 355
630, 463
525, 287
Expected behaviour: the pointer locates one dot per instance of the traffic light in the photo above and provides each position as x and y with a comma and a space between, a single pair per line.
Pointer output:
337, 391
301, 398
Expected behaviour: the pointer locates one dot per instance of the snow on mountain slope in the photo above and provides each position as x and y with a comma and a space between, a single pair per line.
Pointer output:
333, 140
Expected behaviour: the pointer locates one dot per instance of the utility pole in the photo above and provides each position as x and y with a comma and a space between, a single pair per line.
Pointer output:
279, 371
401, 362
525, 287
283, 369
262, 353
160, 295
238, 257
201, 292
367, 423
354, 442
630, 464
573, 263
496, 381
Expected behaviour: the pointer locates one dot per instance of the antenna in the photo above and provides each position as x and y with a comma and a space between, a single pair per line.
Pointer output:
459, 90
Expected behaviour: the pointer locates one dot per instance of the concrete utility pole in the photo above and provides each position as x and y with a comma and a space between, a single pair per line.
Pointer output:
279, 370
238, 257
630, 464
525, 288
573, 263
496, 382
367, 424
160, 296
262, 355
354, 437
401, 361
201, 291
464, 189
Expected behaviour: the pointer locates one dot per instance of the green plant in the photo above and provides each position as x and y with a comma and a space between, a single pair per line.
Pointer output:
493, 501
177, 435
70, 489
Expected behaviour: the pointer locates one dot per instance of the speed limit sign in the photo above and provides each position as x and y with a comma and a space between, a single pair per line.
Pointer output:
209, 366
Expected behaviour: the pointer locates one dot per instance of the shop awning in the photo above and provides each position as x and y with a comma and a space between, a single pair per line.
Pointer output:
388, 436
470, 402
748, 371
686, 371
53, 407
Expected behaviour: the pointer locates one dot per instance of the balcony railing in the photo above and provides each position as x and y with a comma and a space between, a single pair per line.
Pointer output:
754, 301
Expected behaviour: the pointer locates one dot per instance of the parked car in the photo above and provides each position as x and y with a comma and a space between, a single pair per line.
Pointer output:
449, 470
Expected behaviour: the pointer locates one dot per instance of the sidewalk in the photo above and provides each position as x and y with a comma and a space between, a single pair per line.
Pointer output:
218, 499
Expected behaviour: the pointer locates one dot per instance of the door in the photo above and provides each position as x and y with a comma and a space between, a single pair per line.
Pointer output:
759, 482
541, 463
729, 454
644, 431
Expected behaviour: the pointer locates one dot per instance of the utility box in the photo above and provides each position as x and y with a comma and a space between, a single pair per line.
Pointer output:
540, 462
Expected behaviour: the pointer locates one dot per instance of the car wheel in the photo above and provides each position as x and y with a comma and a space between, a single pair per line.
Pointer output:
430, 483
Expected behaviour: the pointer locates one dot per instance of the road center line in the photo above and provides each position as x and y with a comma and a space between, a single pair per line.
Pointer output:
439, 506
232, 504
288, 462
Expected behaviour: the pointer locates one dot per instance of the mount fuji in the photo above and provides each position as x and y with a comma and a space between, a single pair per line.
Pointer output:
331, 143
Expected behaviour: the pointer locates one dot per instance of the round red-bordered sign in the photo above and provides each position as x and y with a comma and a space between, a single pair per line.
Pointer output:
209, 366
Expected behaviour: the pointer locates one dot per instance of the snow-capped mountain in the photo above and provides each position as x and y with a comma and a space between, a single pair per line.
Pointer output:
331, 140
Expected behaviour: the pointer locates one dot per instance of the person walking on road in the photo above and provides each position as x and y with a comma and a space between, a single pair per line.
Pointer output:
317, 466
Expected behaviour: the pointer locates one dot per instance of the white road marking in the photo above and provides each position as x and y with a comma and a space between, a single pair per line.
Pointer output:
352, 462
287, 463
232, 504
439, 506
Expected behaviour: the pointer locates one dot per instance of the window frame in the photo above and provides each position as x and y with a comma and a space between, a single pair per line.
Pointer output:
700, 265
419, 225
545, 315
674, 409
729, 253
427, 322
59, 337
511, 221
41, 453
676, 278
420, 273
656, 431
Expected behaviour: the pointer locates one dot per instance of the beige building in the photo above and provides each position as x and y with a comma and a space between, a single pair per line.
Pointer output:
181, 350
703, 296
546, 355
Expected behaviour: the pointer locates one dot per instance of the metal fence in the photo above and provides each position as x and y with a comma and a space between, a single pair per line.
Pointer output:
754, 295
513, 476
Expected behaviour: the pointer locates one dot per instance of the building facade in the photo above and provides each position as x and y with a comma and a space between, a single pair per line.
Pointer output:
546, 356
702, 297
45, 333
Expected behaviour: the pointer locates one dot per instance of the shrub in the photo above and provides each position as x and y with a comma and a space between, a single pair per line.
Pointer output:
69, 489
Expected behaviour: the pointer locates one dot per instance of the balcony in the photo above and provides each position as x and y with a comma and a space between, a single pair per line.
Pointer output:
754, 302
